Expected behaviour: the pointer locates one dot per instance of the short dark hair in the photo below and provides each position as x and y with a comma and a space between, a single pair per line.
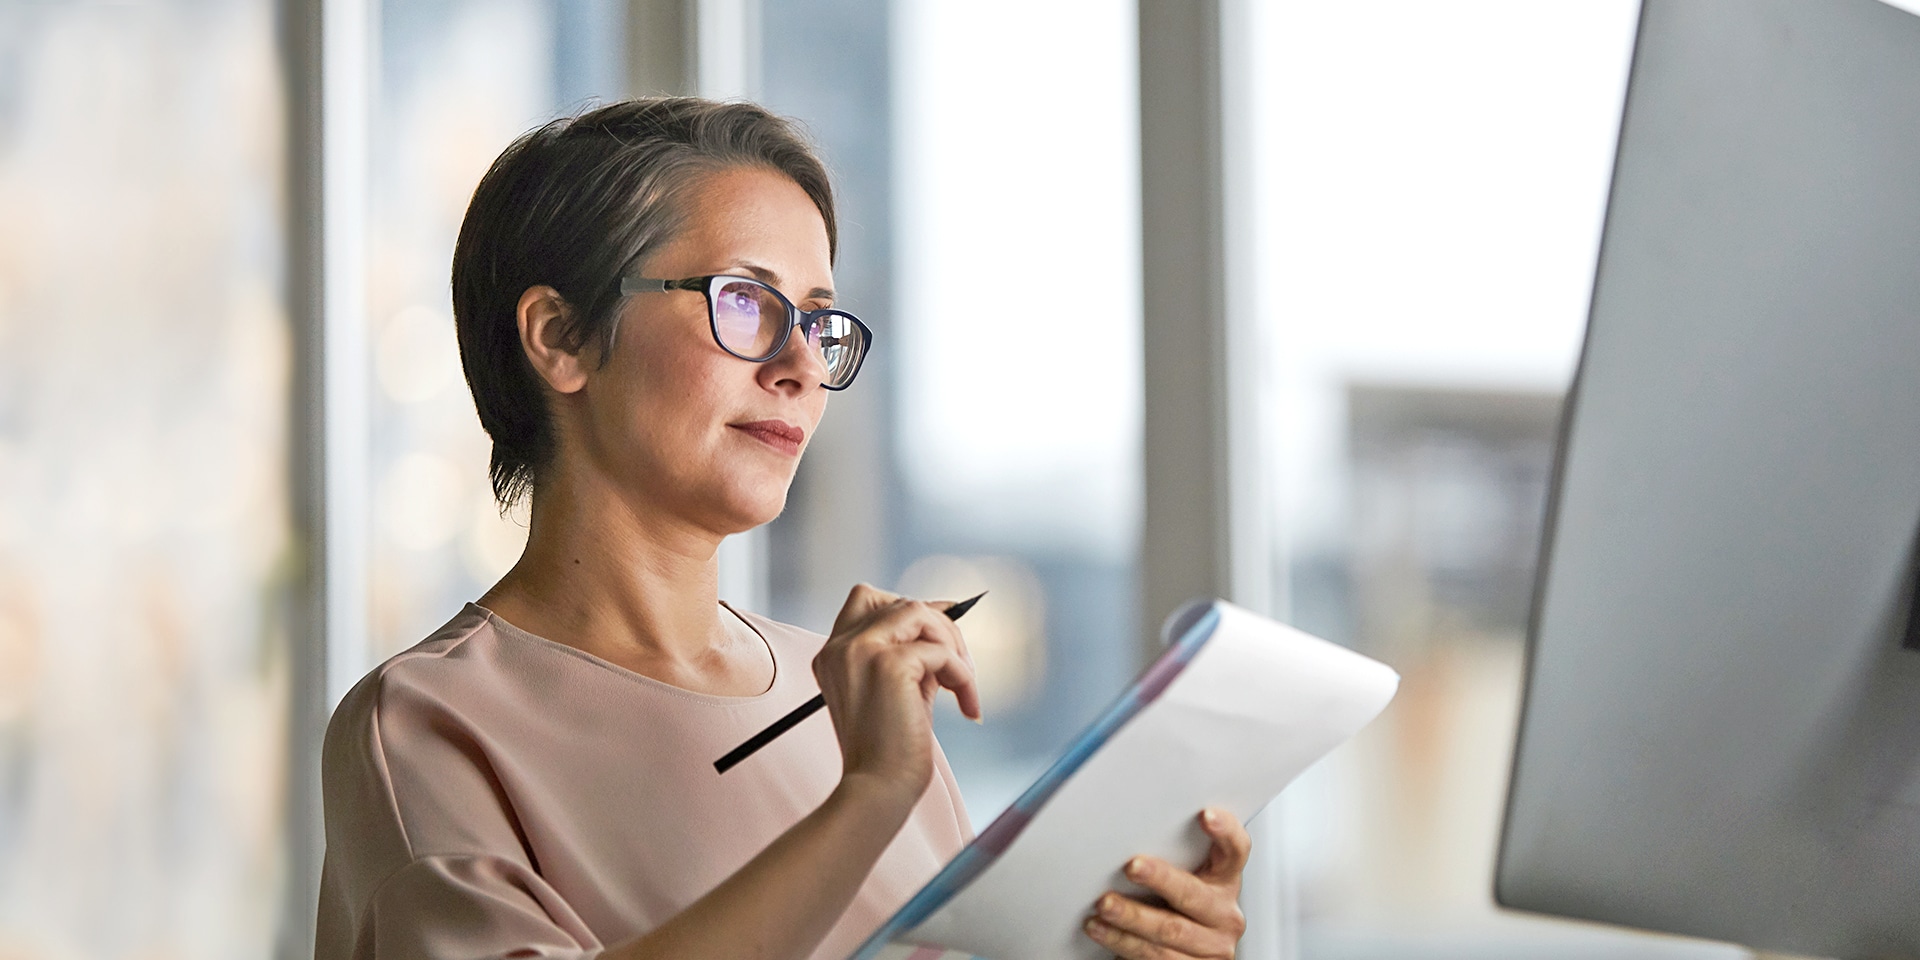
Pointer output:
573, 205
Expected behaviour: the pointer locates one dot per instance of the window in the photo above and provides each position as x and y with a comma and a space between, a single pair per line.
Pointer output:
458, 81
146, 564
993, 442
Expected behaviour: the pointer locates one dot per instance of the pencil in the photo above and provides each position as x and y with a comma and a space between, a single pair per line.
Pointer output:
808, 709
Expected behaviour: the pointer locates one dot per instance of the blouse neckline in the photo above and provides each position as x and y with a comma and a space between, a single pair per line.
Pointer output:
505, 629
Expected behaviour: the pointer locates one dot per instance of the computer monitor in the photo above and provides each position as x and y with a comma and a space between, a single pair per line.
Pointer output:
1721, 729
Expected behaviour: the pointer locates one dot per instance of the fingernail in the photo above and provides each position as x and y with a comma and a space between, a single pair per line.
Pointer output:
1108, 904
1136, 867
1211, 818
1095, 927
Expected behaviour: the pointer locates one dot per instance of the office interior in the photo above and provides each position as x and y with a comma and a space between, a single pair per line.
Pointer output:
239, 465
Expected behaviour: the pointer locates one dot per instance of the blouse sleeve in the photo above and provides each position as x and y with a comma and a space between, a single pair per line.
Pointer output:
478, 907
424, 860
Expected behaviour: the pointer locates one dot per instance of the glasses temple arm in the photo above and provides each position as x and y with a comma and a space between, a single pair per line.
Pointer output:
632, 285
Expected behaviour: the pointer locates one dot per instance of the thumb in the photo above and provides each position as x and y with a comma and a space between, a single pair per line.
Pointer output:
862, 602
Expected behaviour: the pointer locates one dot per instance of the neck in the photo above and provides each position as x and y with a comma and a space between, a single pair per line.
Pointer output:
611, 578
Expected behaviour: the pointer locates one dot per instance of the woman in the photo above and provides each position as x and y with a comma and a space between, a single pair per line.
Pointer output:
536, 779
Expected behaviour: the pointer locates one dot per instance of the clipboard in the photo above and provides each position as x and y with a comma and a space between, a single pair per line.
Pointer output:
1235, 708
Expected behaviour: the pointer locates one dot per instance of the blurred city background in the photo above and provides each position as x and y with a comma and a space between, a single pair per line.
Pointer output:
1427, 182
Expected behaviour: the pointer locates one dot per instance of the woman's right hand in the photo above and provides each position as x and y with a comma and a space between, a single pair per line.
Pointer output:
879, 671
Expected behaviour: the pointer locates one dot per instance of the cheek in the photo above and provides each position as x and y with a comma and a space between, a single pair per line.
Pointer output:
656, 406
687, 409
672, 368
682, 409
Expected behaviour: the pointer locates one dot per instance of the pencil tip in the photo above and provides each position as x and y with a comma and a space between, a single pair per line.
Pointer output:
954, 612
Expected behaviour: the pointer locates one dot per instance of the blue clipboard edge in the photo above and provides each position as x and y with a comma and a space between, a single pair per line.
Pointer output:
1187, 630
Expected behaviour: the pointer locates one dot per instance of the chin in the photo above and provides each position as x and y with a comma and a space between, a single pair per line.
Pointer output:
748, 509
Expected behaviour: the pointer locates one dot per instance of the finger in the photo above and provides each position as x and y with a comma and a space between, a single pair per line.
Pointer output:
878, 624
863, 601
1231, 845
957, 672
1127, 945
1211, 903
1163, 927
944, 667
857, 630
904, 620
915, 622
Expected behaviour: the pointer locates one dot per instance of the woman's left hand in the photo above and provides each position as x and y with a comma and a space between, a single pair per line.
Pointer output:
1202, 917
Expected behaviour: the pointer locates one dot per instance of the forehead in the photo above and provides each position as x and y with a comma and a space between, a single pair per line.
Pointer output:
755, 215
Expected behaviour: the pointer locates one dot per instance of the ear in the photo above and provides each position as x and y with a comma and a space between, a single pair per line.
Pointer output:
542, 317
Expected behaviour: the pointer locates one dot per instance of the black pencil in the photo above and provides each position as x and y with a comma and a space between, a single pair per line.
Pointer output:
808, 709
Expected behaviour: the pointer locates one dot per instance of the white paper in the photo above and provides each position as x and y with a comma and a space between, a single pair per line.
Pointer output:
1256, 706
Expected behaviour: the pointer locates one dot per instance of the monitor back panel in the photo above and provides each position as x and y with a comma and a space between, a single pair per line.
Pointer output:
1721, 734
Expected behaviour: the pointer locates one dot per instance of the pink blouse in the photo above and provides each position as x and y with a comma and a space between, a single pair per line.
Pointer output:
490, 794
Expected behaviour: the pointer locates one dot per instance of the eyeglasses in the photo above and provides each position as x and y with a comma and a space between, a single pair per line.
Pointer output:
752, 321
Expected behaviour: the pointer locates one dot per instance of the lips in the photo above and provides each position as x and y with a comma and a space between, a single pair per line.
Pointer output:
778, 434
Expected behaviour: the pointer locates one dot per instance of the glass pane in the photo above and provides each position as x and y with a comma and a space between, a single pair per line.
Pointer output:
1014, 344
459, 79
145, 558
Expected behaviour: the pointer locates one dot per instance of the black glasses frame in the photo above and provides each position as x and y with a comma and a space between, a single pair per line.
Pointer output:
807, 320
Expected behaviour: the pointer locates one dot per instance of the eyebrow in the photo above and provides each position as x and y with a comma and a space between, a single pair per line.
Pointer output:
772, 279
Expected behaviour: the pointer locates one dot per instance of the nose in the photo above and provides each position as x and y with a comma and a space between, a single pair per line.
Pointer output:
798, 366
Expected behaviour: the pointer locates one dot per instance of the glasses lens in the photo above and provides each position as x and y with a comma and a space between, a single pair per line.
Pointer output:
841, 343
748, 318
